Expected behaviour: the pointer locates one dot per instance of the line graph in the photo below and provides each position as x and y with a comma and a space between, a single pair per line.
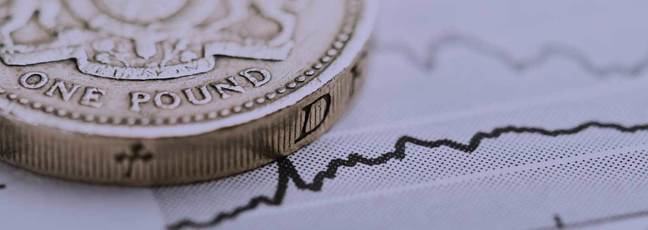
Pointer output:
560, 223
435, 48
288, 173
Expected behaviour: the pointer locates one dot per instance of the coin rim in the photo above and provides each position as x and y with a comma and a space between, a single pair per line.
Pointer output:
102, 126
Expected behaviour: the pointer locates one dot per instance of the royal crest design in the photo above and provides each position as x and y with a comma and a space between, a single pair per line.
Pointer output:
146, 39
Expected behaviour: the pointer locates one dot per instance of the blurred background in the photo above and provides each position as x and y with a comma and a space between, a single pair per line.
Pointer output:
545, 102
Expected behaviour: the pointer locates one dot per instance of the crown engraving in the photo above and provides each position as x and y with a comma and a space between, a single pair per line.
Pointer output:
145, 39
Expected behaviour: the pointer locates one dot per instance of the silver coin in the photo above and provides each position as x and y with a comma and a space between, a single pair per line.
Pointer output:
154, 92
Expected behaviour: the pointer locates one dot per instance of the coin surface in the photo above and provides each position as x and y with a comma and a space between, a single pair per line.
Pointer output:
154, 92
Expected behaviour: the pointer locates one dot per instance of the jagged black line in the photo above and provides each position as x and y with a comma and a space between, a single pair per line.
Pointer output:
287, 171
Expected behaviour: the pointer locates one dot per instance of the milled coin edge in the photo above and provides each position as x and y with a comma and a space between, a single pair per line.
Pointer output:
353, 34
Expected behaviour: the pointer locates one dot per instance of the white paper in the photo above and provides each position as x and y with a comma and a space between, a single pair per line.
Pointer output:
558, 90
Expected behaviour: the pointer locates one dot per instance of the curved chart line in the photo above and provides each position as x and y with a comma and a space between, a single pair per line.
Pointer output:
435, 48
559, 223
287, 172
